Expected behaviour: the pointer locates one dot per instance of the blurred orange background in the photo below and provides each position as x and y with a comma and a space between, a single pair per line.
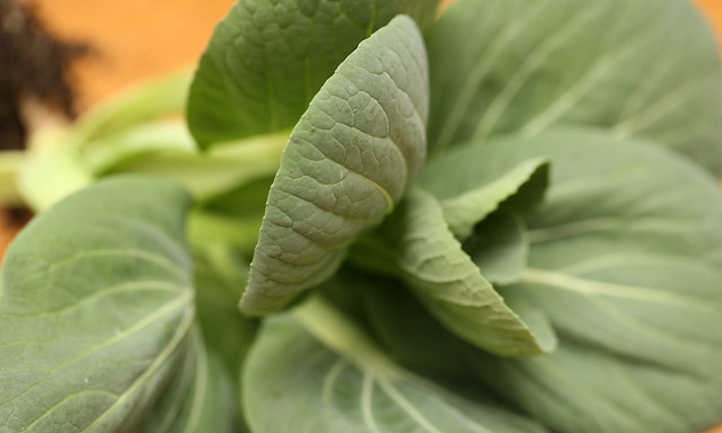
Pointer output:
136, 39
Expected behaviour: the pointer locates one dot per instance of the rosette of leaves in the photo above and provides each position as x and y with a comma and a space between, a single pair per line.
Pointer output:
503, 219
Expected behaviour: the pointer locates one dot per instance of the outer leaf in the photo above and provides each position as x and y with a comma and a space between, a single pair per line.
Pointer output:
525, 65
625, 259
499, 247
346, 165
199, 400
267, 59
319, 390
219, 277
95, 308
426, 255
471, 189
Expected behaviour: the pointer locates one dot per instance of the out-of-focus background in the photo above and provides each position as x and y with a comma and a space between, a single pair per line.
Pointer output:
132, 39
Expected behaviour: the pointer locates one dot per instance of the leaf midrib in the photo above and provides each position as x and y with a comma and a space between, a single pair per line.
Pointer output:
589, 287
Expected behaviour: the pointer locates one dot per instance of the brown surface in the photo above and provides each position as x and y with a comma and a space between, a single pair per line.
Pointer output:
141, 38
134, 38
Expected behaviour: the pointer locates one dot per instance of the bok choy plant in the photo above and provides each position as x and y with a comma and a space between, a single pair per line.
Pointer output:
375, 217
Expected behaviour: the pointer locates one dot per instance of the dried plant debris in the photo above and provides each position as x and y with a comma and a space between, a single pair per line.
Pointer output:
35, 63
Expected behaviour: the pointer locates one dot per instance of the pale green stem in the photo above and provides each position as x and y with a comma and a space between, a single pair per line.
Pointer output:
205, 175
143, 102
343, 336
206, 228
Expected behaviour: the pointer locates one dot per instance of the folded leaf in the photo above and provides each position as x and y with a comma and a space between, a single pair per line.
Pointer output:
472, 185
267, 59
417, 242
320, 387
346, 165
96, 306
525, 65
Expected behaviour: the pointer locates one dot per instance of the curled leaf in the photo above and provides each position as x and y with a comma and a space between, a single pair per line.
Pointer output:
346, 165
425, 254
472, 185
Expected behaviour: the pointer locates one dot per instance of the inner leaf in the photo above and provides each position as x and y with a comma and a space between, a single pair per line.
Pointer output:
347, 163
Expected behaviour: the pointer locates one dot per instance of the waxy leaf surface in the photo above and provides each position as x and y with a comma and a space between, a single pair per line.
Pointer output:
638, 68
346, 384
96, 309
347, 164
268, 58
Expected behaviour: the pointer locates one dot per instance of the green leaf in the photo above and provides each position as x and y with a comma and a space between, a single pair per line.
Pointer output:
470, 187
408, 333
219, 277
417, 242
96, 306
499, 248
220, 274
200, 399
343, 383
625, 260
267, 60
346, 165
526, 65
